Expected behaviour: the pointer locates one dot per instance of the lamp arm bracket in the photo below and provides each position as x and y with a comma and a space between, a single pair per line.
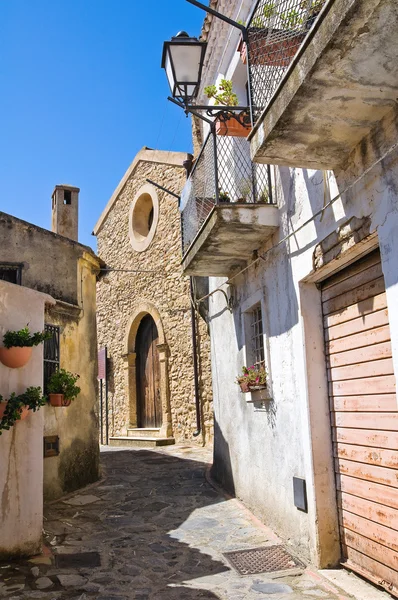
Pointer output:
163, 188
215, 13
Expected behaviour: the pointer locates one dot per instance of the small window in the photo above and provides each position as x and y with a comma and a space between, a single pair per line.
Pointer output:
257, 337
11, 273
51, 446
67, 197
51, 354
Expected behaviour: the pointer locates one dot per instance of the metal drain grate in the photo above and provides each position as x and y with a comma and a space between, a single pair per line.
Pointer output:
263, 560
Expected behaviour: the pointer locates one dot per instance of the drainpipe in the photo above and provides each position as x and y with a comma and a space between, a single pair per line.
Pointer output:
195, 364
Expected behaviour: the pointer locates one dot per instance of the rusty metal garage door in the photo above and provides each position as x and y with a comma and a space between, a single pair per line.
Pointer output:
364, 418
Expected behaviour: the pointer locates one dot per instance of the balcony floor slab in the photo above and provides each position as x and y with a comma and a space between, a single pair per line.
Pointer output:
229, 237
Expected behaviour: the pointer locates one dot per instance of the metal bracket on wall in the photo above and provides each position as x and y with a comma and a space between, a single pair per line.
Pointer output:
163, 188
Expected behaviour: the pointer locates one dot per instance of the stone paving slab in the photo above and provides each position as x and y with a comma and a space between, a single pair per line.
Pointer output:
155, 529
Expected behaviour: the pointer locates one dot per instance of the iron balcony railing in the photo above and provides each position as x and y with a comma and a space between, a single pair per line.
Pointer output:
276, 31
223, 174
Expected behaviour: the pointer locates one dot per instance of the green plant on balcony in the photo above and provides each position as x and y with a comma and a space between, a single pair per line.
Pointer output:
223, 197
17, 407
245, 189
223, 94
290, 19
265, 196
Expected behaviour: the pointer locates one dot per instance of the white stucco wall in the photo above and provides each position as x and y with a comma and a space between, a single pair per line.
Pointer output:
21, 448
258, 451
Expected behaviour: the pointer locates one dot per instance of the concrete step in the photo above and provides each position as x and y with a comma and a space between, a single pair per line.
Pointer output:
143, 432
140, 442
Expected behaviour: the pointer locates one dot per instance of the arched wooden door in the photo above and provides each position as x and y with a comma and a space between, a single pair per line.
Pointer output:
149, 407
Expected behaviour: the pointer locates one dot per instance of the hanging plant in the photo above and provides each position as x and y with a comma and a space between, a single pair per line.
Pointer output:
18, 346
17, 407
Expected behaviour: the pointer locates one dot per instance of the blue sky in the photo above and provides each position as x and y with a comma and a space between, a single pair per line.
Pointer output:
81, 91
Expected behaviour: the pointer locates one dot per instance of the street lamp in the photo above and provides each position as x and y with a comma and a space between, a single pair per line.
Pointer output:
183, 60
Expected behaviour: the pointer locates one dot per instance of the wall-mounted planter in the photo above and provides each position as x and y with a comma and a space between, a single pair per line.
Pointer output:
232, 128
15, 357
58, 400
24, 411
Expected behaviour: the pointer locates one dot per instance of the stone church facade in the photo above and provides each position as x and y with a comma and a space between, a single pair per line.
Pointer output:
144, 311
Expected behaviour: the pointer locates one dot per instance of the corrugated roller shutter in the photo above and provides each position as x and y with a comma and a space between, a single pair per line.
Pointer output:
364, 417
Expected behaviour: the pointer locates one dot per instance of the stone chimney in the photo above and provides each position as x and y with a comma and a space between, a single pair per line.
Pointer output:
65, 211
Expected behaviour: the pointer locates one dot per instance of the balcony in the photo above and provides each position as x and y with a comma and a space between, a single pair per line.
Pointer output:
321, 85
227, 208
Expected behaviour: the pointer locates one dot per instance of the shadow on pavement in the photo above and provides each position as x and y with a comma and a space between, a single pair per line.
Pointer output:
130, 527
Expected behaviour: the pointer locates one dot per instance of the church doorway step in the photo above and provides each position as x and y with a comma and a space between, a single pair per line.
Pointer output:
149, 405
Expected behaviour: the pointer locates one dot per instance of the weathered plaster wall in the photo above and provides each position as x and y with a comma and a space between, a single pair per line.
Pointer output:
77, 425
49, 260
257, 452
120, 295
67, 270
21, 448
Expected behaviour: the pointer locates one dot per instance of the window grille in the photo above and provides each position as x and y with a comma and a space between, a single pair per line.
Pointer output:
257, 337
11, 272
51, 354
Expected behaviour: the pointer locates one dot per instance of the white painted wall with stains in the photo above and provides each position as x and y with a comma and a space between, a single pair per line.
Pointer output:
21, 448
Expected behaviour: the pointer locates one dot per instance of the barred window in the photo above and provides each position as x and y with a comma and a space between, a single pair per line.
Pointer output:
257, 336
51, 354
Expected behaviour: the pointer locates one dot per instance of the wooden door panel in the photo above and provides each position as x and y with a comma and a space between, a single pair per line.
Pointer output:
148, 380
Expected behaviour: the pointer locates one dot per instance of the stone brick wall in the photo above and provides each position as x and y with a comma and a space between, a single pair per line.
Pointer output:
160, 282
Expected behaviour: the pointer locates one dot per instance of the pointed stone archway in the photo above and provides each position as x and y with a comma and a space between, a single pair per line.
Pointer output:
130, 355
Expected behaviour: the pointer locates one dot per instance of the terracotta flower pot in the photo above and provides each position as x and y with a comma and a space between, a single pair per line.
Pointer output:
15, 357
58, 400
24, 411
232, 128
244, 387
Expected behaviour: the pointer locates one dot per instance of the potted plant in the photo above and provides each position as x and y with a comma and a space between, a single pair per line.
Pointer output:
17, 408
62, 388
223, 197
225, 96
18, 346
253, 378
246, 189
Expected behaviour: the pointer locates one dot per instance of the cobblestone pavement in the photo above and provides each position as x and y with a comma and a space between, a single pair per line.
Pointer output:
154, 529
